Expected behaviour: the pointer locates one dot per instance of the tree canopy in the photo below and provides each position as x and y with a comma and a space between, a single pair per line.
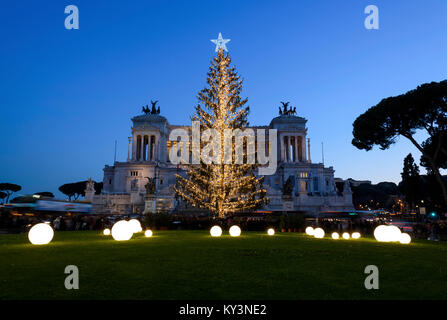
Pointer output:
77, 189
9, 189
424, 108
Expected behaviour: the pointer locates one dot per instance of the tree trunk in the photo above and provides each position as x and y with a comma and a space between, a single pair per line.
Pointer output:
433, 166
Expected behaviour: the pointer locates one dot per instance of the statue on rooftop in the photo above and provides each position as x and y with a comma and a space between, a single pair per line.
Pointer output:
152, 110
285, 111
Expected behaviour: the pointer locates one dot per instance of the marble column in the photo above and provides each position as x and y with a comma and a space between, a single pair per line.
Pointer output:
303, 148
155, 157
142, 148
128, 149
296, 146
308, 150
281, 143
134, 148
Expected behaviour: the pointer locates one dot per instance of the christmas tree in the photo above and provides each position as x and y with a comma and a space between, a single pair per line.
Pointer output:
222, 187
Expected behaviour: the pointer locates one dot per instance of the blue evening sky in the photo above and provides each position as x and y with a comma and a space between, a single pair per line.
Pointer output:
67, 95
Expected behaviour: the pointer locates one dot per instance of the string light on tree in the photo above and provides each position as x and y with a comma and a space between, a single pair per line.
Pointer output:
221, 186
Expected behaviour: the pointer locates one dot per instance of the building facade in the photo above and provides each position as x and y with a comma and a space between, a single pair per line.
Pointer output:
124, 190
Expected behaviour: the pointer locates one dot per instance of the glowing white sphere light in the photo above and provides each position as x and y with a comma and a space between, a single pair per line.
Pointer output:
386, 233
135, 225
122, 231
106, 232
394, 233
356, 235
318, 233
345, 235
40, 233
335, 235
405, 238
235, 231
271, 231
148, 233
381, 233
216, 231
309, 231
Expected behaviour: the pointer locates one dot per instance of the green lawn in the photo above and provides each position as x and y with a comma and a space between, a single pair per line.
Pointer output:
192, 265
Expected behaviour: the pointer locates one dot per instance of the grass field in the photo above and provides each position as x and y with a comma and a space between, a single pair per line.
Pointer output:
192, 265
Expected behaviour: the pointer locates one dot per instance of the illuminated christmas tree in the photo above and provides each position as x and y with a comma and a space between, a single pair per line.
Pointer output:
223, 187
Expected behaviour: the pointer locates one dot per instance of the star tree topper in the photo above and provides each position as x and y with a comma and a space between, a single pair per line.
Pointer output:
220, 42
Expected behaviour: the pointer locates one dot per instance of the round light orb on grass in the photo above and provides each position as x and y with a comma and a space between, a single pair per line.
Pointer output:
40, 233
356, 235
122, 231
106, 232
318, 233
216, 231
345, 235
135, 225
271, 231
148, 233
394, 233
335, 235
235, 231
309, 231
384, 233
380, 233
405, 238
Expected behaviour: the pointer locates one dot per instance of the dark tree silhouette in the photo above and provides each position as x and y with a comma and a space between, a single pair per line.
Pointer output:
3, 195
9, 189
375, 196
424, 108
430, 146
411, 181
77, 189
73, 190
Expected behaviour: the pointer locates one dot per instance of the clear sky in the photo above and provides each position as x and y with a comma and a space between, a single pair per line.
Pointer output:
67, 95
